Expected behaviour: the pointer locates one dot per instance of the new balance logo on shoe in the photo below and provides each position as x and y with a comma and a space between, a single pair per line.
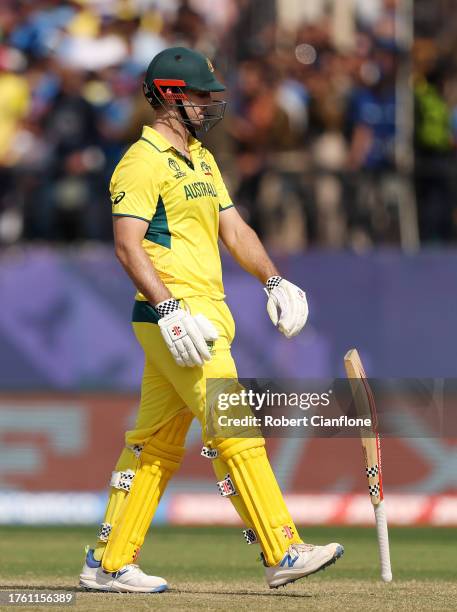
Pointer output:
289, 560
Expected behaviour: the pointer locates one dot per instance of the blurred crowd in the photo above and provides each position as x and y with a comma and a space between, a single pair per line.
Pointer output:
318, 144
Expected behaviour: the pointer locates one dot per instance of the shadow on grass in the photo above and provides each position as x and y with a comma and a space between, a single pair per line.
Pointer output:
270, 593
233, 593
32, 587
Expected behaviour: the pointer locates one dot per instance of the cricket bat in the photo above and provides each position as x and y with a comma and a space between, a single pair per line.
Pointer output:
371, 445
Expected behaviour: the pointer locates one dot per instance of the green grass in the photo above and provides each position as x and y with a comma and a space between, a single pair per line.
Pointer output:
213, 569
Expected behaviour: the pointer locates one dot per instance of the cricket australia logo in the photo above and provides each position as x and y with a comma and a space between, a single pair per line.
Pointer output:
206, 168
173, 165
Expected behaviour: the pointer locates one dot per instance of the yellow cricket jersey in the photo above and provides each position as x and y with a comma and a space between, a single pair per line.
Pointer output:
181, 201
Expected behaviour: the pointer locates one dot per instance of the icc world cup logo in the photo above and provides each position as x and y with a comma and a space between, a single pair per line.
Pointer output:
173, 165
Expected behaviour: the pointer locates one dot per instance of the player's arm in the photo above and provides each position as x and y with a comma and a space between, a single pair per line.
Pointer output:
184, 334
128, 236
287, 305
244, 245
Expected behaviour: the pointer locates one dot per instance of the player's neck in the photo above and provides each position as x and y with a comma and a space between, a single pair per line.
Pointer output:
175, 132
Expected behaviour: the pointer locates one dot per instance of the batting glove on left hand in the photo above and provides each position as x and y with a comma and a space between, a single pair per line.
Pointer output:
287, 306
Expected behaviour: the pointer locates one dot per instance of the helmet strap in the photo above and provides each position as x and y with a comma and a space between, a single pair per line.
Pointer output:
185, 118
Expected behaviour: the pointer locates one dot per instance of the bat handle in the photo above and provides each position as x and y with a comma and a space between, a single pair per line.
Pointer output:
383, 541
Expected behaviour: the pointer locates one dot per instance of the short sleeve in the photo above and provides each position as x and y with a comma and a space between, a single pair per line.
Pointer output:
134, 192
224, 199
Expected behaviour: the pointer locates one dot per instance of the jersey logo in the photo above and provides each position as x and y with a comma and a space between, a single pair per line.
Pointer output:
206, 168
173, 165
117, 197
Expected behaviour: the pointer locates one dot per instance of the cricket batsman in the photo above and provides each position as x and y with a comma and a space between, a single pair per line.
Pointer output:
170, 207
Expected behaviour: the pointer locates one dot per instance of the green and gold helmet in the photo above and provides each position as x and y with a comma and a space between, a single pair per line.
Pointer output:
175, 71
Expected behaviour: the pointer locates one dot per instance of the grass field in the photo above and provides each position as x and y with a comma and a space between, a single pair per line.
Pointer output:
213, 569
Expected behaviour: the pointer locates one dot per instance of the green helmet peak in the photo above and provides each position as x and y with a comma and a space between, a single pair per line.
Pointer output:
181, 64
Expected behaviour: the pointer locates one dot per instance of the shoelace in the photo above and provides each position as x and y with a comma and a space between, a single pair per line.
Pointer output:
298, 548
132, 566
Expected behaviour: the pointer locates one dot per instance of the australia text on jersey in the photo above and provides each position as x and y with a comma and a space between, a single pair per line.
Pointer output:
199, 189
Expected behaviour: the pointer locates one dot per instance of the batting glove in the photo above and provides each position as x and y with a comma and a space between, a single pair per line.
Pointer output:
184, 334
287, 306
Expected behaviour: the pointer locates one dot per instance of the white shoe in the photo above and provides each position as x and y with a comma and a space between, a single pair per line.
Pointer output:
302, 560
129, 579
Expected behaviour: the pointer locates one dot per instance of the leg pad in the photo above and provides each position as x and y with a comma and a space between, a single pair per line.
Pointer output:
158, 460
263, 506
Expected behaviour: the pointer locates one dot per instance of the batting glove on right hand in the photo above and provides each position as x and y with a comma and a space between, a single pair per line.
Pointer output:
184, 334
287, 306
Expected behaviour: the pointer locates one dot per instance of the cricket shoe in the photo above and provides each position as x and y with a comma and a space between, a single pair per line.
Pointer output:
302, 560
129, 579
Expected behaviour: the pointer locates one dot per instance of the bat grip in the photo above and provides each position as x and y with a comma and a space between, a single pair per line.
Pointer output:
383, 541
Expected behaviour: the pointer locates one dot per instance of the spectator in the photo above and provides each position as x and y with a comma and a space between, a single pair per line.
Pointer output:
434, 158
311, 147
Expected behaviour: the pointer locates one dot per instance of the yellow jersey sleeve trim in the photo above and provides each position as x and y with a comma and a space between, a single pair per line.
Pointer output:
132, 216
221, 208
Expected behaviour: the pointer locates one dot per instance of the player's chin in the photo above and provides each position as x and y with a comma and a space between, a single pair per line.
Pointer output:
198, 124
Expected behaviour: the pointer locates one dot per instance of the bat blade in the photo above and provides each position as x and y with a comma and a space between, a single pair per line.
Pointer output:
371, 445
365, 406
